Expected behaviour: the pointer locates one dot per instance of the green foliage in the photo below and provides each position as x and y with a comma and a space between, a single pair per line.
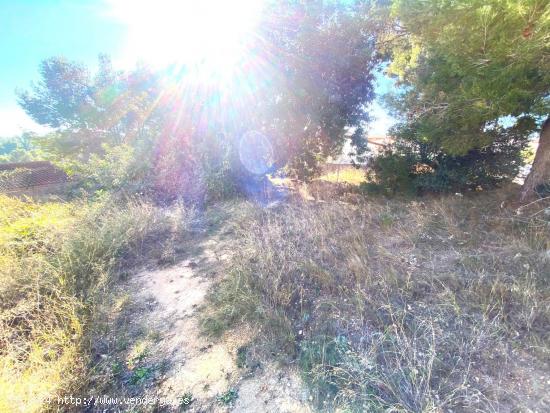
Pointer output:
18, 149
112, 133
463, 67
327, 53
242, 356
119, 168
227, 398
390, 173
140, 375
319, 358
218, 167
185, 401
415, 165
467, 64
303, 105
58, 98
88, 111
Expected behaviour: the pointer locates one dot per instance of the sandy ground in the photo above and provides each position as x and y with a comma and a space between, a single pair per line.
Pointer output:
196, 364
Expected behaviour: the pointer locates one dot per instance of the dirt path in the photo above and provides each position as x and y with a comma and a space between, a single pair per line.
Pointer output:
172, 359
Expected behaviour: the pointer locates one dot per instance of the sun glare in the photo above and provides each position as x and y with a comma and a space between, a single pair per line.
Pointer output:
211, 34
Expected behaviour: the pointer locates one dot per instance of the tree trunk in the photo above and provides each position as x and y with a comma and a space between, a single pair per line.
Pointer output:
540, 170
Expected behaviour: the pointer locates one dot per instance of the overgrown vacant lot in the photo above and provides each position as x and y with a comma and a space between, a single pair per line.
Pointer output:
424, 306
275, 206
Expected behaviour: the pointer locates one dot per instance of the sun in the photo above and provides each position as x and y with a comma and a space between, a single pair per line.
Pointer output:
211, 34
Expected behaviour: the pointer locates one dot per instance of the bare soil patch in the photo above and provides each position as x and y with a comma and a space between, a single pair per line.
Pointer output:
155, 329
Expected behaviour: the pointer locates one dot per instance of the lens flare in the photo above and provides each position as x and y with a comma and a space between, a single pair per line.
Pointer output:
256, 152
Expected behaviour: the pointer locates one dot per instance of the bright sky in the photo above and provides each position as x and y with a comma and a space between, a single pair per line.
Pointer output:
32, 30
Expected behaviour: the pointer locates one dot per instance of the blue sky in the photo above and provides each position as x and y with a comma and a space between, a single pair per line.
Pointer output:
32, 30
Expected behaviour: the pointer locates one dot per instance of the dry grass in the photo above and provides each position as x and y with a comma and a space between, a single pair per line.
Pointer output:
58, 260
386, 305
344, 174
421, 306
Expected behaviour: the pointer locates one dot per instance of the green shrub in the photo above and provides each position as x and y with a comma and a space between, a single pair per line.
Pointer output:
19, 148
119, 168
391, 173
195, 170
216, 156
412, 165
227, 398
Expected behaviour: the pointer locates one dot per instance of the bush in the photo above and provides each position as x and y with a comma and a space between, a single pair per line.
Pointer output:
191, 169
198, 168
19, 148
412, 165
218, 166
120, 168
391, 173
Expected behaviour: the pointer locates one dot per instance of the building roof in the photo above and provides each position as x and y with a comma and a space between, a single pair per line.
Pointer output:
379, 140
374, 143
27, 175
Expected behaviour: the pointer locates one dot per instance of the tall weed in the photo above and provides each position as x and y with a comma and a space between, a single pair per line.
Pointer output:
57, 261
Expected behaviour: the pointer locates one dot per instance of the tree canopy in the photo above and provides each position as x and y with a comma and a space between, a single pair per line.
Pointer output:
87, 111
304, 83
465, 64
470, 74
468, 67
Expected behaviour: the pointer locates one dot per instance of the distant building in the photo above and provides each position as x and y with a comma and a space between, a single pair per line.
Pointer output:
376, 145
31, 178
